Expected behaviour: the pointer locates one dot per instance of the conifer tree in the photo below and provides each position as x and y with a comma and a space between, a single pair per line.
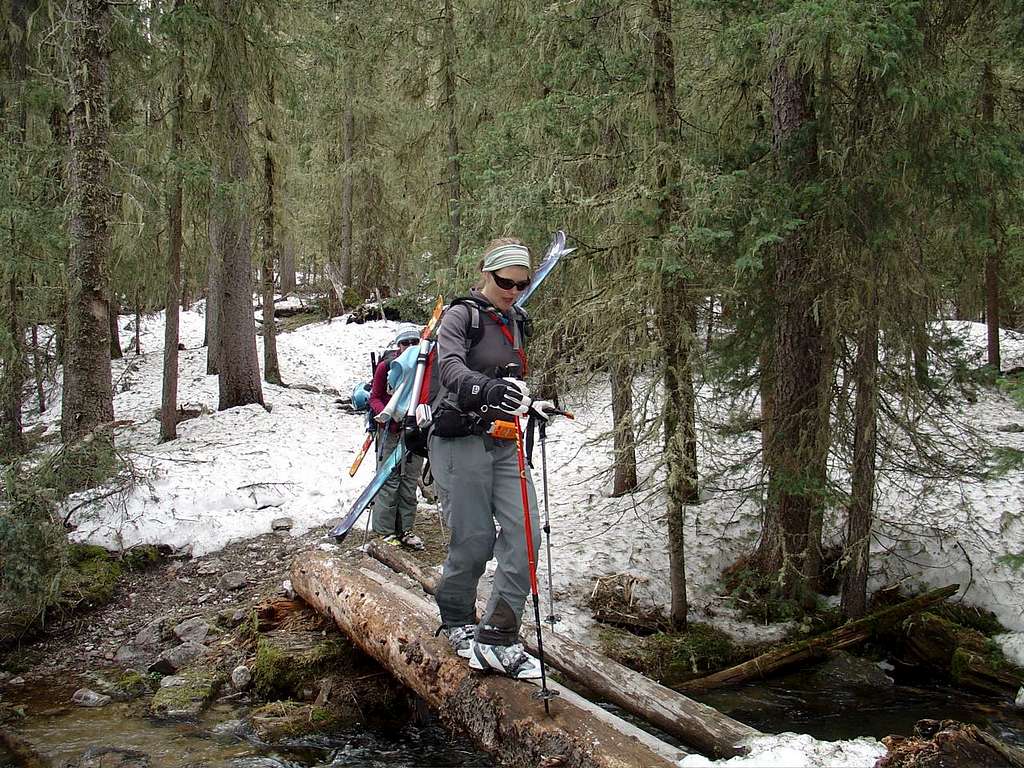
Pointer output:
271, 368
169, 393
231, 76
87, 397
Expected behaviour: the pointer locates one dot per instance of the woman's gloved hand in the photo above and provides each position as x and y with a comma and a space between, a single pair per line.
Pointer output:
509, 395
543, 409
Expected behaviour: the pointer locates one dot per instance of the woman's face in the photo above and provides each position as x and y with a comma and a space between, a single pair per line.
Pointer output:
503, 287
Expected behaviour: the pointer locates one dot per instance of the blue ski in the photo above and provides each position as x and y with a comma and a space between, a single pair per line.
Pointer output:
390, 466
556, 250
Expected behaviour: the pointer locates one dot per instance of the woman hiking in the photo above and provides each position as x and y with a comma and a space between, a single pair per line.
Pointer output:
481, 363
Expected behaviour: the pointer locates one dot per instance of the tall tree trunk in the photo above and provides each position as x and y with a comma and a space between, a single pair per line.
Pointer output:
677, 319
12, 378
797, 339
56, 194
37, 368
238, 363
114, 317
286, 272
87, 396
137, 339
211, 337
12, 440
271, 368
919, 350
624, 479
710, 325
854, 599
448, 59
169, 394
347, 180
992, 257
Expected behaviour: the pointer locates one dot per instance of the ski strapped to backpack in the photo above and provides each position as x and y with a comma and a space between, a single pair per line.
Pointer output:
393, 462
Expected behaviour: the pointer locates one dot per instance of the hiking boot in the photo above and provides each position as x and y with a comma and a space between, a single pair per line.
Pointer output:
460, 638
511, 660
392, 540
412, 541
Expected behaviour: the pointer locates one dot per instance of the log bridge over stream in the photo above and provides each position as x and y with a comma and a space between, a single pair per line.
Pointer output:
377, 607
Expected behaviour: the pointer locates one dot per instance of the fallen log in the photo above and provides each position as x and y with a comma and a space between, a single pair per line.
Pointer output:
695, 724
501, 715
962, 653
849, 634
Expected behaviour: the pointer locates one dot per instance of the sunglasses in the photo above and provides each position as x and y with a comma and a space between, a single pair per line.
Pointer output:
407, 343
507, 285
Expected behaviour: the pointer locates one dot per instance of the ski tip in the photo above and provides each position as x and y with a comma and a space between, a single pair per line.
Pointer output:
339, 538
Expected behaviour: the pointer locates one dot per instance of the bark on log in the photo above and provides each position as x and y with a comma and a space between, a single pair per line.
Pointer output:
949, 744
396, 627
695, 724
849, 634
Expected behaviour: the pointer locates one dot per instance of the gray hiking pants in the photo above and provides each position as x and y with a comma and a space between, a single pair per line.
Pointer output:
477, 480
394, 509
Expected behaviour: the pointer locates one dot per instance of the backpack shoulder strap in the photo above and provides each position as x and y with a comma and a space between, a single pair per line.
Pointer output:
474, 330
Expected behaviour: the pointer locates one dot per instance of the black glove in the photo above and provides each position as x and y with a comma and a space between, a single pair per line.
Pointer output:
481, 393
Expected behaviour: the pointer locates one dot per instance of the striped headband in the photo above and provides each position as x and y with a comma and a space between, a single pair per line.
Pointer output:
506, 256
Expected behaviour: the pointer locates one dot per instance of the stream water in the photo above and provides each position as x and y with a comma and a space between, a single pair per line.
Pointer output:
63, 735
794, 703
799, 703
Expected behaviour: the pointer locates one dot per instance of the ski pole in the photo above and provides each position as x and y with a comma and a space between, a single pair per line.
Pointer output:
552, 617
543, 693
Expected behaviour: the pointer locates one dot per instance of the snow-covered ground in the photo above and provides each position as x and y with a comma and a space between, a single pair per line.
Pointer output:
229, 474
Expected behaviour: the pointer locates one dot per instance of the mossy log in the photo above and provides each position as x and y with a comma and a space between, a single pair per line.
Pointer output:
965, 654
933, 639
696, 724
848, 635
501, 715
979, 672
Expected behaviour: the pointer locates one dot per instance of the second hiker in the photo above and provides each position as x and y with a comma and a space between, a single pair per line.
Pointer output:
394, 509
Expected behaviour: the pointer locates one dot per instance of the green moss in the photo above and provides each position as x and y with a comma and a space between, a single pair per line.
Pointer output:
758, 596
90, 578
289, 719
969, 616
698, 651
188, 700
141, 557
300, 319
674, 657
134, 683
270, 673
280, 670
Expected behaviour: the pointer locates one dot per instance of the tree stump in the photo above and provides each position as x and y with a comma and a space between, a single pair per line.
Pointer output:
949, 744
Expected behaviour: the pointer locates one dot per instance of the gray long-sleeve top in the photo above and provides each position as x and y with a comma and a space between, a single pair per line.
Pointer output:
458, 359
